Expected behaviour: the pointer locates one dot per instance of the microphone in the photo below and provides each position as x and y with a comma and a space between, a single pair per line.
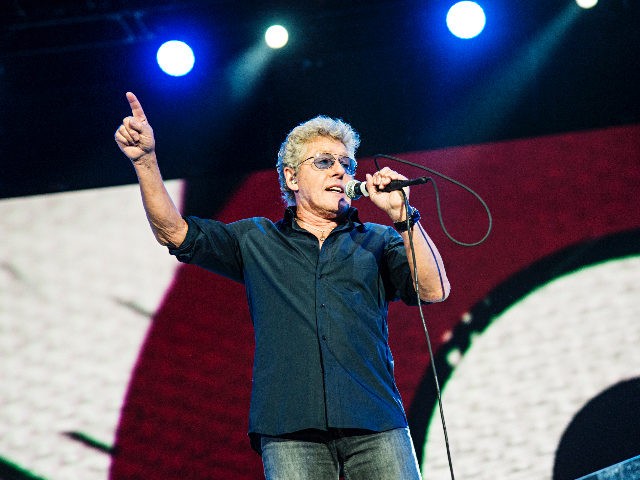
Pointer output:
355, 189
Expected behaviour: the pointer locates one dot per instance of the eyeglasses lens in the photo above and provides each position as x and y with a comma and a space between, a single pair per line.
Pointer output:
348, 165
326, 161
323, 161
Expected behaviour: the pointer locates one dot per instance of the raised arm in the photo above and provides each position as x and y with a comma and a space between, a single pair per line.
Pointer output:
432, 277
135, 139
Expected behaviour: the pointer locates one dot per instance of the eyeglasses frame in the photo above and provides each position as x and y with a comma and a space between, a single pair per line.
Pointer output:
336, 158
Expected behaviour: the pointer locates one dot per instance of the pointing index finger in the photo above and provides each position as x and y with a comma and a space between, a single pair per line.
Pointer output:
136, 108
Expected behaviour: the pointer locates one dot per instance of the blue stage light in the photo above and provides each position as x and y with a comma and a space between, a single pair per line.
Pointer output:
466, 19
175, 58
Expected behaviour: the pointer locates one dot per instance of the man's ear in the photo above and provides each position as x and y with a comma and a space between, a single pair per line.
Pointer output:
290, 177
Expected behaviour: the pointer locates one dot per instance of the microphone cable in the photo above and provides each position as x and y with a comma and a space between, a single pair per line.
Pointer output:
416, 284
410, 229
437, 193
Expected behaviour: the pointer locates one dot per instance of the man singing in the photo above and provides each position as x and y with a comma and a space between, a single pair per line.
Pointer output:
324, 401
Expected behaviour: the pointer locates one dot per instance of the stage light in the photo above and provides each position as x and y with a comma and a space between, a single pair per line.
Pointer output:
175, 58
466, 19
276, 36
587, 3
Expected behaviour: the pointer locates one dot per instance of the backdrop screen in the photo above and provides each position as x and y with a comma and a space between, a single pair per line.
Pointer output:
119, 362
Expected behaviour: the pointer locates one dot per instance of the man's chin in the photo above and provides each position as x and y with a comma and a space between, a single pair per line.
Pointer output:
332, 210
342, 207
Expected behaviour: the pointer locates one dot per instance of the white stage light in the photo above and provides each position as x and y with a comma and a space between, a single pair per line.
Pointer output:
276, 36
587, 3
466, 19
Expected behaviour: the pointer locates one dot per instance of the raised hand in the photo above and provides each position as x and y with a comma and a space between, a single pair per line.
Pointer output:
135, 135
391, 202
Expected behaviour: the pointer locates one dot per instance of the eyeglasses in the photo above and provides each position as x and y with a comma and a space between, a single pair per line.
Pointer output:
323, 161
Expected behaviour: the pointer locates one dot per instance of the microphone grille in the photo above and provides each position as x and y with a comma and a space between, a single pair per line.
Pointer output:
351, 190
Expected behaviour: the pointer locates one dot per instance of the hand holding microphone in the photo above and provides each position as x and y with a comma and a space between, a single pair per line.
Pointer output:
383, 189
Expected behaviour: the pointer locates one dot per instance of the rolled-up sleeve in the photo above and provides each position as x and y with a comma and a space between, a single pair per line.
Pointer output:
212, 245
399, 271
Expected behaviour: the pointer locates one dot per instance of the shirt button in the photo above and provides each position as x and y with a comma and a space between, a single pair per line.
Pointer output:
323, 306
324, 337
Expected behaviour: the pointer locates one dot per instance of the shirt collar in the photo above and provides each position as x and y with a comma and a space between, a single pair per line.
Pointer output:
350, 217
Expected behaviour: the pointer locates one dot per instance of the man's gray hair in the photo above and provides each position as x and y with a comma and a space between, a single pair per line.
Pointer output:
291, 150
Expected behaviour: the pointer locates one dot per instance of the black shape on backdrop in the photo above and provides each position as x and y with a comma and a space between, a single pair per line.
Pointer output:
606, 431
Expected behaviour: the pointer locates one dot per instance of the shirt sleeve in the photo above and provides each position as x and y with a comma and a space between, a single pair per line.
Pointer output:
398, 268
212, 245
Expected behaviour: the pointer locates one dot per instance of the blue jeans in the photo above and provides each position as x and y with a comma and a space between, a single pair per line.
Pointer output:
374, 456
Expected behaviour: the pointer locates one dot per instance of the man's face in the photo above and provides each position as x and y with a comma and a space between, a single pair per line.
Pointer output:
322, 192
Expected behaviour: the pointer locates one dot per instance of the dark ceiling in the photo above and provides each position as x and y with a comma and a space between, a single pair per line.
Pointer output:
388, 67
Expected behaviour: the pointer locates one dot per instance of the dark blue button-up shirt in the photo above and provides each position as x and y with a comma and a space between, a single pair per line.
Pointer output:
322, 358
